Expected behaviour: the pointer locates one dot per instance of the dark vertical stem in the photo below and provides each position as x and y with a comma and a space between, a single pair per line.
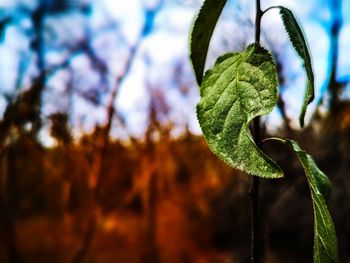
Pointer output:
258, 16
254, 191
255, 224
38, 46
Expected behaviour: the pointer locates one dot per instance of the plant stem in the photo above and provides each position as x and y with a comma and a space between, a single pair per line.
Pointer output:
258, 16
254, 191
255, 224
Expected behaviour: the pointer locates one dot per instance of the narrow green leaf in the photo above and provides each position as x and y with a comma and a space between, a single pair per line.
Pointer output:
325, 240
201, 34
297, 38
240, 87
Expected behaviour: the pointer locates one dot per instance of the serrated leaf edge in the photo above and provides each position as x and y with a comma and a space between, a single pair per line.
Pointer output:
246, 126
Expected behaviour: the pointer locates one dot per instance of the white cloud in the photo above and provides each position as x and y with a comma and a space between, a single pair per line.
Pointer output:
3, 105
129, 13
7, 4
344, 51
319, 46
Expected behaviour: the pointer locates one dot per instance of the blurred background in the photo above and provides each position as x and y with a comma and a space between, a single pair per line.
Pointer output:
101, 154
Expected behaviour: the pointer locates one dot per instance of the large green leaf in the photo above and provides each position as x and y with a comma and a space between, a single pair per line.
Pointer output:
201, 34
240, 87
325, 240
297, 38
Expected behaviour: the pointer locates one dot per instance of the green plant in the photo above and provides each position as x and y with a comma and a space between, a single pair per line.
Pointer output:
237, 90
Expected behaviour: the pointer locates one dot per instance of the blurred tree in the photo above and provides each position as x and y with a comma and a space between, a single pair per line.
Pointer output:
96, 176
59, 128
22, 117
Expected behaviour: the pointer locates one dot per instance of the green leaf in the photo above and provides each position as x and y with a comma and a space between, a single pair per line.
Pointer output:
325, 240
297, 38
201, 34
240, 87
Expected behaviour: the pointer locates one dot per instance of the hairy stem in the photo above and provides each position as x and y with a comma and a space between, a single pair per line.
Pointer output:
254, 191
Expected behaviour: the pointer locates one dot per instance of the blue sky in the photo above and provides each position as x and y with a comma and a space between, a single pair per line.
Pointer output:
169, 42
164, 49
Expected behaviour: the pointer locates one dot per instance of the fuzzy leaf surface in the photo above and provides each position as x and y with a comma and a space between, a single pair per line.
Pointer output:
240, 87
298, 41
325, 240
201, 34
